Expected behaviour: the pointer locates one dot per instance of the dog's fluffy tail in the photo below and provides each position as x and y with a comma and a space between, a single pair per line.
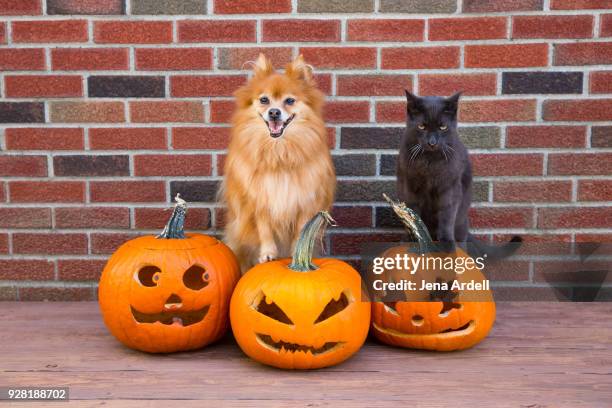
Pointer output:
477, 248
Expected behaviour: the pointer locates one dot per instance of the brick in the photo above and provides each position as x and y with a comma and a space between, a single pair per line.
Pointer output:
20, 7
584, 53
4, 244
420, 58
335, 6
347, 111
546, 136
601, 136
448, 84
251, 7
477, 28
127, 191
93, 112
56, 31
495, 164
605, 29
80, 269
26, 269
418, 6
350, 244
89, 59
570, 271
221, 111
156, 218
600, 82
594, 190
47, 191
23, 59
160, 59
353, 216
580, 164
589, 238
532, 191
3, 33
43, 86
108, 86
55, 294
501, 217
324, 83
107, 243
340, 57
580, 217
172, 165
506, 56
364, 190
480, 137
171, 111
200, 137
390, 112
195, 191
49, 243
22, 112
494, 6
235, 58
373, 85
579, 4
498, 110
370, 137
20, 166
93, 7
127, 139
169, 7
376, 30
91, 166
355, 164
578, 110
27, 217
44, 139
205, 85
542, 82
216, 31
296, 30
92, 217
552, 27
133, 32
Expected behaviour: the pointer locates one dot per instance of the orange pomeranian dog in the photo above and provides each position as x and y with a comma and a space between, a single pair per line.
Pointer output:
278, 171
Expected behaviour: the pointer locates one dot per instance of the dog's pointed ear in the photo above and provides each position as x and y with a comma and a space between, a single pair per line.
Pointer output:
263, 66
452, 102
413, 103
298, 69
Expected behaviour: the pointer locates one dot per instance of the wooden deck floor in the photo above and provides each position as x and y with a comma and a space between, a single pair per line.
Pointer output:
538, 355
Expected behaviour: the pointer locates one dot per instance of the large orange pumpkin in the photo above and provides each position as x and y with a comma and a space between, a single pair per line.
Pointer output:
300, 313
439, 320
171, 292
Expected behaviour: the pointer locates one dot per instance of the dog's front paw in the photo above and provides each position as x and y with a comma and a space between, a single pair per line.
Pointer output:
267, 256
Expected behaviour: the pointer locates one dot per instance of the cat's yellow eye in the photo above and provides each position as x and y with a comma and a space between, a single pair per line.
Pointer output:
421, 126
443, 127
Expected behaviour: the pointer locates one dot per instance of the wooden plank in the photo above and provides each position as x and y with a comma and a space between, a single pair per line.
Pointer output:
539, 354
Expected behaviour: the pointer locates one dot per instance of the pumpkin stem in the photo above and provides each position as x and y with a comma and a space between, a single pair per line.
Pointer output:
302, 256
174, 227
413, 224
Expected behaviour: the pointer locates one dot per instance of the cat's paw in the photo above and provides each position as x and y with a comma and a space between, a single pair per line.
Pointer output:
267, 254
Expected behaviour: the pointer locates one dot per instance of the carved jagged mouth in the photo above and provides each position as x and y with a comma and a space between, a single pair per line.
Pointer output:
182, 318
277, 127
282, 346
465, 329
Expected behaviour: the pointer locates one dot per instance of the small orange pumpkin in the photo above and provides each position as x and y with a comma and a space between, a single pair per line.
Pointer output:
450, 322
171, 292
300, 313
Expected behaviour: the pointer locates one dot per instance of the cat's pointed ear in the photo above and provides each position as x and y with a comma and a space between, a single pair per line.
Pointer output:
452, 102
263, 66
413, 103
298, 69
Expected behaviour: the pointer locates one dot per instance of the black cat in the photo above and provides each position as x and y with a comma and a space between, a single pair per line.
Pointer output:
434, 175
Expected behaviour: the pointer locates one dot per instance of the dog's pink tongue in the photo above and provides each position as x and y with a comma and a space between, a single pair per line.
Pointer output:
275, 126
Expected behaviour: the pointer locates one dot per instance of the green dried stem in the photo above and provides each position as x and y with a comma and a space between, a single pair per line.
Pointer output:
304, 248
174, 228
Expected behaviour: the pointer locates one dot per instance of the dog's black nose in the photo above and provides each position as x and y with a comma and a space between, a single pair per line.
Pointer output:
274, 114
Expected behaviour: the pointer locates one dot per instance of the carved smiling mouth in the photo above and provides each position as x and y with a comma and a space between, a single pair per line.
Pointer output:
465, 329
277, 127
293, 347
168, 317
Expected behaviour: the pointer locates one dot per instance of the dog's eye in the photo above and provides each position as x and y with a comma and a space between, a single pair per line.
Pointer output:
289, 101
264, 100
421, 126
443, 127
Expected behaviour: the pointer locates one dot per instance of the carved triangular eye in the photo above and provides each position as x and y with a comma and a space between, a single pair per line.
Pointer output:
272, 311
334, 306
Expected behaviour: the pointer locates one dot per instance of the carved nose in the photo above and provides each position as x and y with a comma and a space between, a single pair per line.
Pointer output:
173, 302
274, 114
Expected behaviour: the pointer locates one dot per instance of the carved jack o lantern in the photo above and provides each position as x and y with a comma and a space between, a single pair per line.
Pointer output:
171, 292
300, 313
446, 322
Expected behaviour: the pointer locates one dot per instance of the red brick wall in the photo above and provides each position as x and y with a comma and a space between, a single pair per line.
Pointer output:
110, 107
